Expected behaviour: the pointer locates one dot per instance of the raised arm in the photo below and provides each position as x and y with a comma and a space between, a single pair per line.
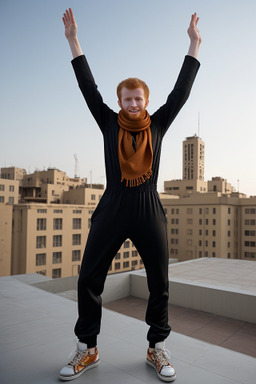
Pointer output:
71, 33
194, 35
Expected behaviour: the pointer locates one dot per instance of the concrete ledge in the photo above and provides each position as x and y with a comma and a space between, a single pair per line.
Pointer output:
233, 303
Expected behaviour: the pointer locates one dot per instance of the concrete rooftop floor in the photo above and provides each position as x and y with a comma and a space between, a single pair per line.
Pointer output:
36, 336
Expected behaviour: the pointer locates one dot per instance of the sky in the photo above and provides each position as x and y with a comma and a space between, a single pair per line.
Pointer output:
44, 120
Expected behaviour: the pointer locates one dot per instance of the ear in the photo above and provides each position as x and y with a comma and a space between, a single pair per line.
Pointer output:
119, 103
146, 103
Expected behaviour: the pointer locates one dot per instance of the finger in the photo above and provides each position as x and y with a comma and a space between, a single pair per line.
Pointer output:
71, 15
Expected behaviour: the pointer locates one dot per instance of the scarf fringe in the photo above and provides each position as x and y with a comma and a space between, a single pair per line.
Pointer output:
139, 180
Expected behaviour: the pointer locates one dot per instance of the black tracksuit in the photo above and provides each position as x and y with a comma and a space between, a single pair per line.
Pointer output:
127, 212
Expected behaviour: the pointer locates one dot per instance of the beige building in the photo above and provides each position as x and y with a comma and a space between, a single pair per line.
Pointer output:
5, 239
211, 225
47, 186
13, 173
50, 239
193, 169
9, 191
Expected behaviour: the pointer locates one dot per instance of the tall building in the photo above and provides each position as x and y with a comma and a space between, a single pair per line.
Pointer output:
192, 168
193, 158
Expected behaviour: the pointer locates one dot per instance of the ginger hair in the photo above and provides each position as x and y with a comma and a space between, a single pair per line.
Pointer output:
132, 83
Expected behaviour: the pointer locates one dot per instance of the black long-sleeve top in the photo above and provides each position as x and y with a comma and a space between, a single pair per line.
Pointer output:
106, 118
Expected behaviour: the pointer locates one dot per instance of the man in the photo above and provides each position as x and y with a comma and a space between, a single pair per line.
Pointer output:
130, 206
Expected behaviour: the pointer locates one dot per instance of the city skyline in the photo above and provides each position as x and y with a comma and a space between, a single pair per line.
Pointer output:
44, 120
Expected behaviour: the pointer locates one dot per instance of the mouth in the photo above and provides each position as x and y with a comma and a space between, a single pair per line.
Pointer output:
134, 110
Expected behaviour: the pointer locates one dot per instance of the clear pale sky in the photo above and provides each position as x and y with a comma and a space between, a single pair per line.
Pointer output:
44, 120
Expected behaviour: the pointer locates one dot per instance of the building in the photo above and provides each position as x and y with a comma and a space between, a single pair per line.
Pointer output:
207, 218
5, 239
193, 169
47, 186
9, 191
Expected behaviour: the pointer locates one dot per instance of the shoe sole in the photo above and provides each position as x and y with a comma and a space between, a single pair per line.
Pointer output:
68, 378
161, 377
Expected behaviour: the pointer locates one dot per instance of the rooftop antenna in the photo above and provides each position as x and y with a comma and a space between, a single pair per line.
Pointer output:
76, 165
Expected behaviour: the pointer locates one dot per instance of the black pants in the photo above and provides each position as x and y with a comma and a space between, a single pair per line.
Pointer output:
137, 214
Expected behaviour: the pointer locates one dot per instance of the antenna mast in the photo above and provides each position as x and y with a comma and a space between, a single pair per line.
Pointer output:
76, 165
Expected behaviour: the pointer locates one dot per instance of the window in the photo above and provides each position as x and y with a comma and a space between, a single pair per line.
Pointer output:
76, 239
134, 263
56, 273
214, 211
76, 255
190, 232
77, 211
200, 221
42, 211
189, 242
57, 224
93, 197
89, 223
11, 200
126, 255
213, 221
41, 242
189, 211
77, 223
213, 244
134, 253
229, 222
118, 256
57, 241
229, 210
57, 211
189, 221
127, 244
57, 257
200, 211
214, 233
40, 259
1, 199
1, 187
11, 188
117, 266
41, 225
126, 264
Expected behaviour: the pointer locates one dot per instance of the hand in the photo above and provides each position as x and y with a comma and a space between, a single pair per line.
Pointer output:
70, 24
193, 31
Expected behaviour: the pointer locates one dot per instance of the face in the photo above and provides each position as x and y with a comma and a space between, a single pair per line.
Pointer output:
133, 103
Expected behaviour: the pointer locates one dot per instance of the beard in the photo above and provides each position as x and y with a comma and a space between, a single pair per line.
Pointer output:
139, 116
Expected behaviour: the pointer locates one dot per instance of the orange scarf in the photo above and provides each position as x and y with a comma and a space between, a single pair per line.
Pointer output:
136, 167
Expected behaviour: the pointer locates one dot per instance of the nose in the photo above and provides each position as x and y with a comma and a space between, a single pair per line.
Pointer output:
133, 103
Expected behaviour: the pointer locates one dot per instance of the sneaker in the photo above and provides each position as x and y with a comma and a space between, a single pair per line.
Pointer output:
158, 358
81, 362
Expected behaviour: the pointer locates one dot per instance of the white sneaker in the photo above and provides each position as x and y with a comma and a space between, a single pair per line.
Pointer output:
158, 358
81, 362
